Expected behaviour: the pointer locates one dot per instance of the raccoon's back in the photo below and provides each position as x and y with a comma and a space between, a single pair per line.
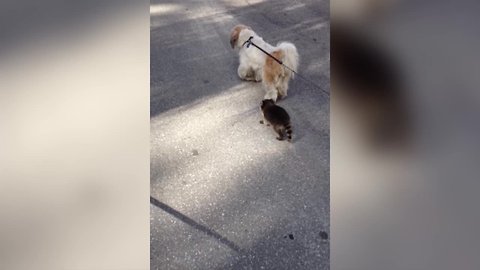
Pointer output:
276, 115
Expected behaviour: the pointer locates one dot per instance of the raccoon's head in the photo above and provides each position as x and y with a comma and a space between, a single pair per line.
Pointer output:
266, 103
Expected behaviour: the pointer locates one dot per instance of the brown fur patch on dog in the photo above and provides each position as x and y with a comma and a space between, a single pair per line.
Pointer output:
272, 69
235, 32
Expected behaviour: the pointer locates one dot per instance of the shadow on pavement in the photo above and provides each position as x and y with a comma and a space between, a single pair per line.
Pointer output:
194, 224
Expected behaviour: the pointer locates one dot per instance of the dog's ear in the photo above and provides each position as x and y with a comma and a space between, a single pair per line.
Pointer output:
234, 36
235, 33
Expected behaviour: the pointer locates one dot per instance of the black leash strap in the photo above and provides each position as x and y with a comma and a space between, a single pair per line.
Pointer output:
249, 42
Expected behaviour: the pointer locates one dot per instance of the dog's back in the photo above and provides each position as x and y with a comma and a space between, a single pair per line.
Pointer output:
291, 58
272, 69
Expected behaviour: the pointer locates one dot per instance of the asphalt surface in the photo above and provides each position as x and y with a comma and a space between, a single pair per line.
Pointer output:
225, 194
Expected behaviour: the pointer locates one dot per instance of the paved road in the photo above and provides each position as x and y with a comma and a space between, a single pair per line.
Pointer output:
224, 193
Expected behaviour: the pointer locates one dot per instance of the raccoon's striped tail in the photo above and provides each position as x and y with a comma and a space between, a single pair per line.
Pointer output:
288, 129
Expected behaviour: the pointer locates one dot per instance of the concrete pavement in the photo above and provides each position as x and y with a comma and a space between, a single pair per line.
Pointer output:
225, 194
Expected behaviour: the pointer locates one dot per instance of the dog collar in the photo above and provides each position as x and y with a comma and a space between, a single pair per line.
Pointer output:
249, 41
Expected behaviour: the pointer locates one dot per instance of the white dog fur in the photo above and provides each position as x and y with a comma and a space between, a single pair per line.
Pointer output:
257, 66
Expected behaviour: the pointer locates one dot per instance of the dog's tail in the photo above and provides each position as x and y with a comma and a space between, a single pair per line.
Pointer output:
291, 58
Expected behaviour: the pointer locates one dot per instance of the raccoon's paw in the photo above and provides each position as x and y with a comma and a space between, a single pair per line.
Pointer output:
261, 122
280, 138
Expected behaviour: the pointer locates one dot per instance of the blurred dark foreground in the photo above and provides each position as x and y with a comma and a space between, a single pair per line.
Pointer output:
405, 128
74, 134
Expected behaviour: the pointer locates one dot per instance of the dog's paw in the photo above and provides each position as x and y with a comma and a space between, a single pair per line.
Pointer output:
281, 96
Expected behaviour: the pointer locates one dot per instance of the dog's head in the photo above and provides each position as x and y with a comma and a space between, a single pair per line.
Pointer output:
235, 33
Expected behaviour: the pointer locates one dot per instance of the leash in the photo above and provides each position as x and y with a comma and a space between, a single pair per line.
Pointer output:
249, 41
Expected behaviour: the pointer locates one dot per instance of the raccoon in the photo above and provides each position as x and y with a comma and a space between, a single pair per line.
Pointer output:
278, 118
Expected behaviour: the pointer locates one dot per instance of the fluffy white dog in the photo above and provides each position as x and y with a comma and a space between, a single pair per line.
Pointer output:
257, 66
